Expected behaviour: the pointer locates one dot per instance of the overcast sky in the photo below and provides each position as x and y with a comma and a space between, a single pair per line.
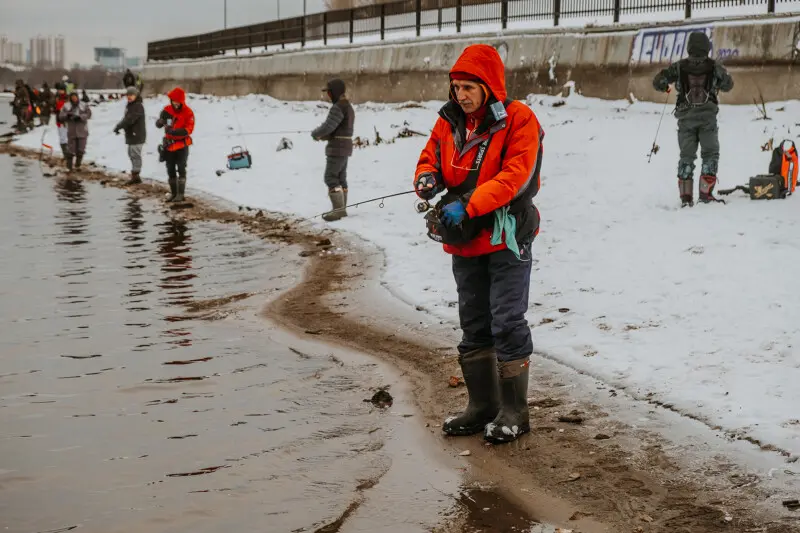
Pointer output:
130, 24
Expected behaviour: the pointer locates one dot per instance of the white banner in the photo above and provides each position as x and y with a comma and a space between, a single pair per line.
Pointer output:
665, 45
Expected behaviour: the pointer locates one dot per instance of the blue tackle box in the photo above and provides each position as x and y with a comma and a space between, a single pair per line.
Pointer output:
239, 158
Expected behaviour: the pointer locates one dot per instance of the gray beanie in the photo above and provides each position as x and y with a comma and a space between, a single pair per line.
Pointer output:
133, 91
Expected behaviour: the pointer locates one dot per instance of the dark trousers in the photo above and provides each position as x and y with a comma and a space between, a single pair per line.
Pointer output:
176, 162
76, 145
492, 302
336, 171
699, 128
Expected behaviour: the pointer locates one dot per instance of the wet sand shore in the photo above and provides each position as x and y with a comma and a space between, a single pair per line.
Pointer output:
600, 475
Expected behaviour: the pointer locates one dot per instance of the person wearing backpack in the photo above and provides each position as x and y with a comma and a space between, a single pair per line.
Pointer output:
698, 79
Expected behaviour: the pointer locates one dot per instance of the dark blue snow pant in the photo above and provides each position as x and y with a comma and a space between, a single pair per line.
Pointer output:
492, 301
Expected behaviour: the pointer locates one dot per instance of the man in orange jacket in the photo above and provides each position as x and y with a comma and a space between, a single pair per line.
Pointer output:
485, 153
177, 119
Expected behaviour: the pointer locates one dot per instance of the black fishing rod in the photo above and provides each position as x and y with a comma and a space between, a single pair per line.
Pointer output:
236, 134
654, 148
381, 198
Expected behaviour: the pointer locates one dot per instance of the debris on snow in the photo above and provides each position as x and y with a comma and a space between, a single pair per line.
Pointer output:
284, 144
792, 505
552, 72
455, 381
546, 403
381, 398
571, 419
465, 453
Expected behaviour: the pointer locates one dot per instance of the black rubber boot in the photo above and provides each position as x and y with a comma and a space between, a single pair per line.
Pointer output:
78, 161
686, 190
512, 420
69, 158
480, 376
337, 201
135, 179
173, 189
181, 188
65, 152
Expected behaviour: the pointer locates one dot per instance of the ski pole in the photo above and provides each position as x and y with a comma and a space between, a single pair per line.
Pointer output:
381, 198
654, 148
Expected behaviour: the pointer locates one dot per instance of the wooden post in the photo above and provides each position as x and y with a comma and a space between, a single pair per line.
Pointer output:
439, 17
352, 14
557, 11
383, 21
458, 16
325, 28
419, 16
770, 6
504, 14
688, 10
617, 8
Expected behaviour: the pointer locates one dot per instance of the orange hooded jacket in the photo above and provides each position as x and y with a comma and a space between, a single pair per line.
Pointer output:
510, 169
182, 122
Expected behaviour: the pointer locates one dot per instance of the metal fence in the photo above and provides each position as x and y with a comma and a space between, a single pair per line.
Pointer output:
415, 17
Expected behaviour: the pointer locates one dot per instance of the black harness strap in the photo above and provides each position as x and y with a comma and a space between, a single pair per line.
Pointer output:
471, 181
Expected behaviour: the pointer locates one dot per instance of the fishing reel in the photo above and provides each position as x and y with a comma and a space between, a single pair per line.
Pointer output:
422, 206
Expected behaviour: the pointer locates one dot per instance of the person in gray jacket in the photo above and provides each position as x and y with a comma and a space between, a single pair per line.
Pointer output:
135, 132
75, 114
698, 80
338, 131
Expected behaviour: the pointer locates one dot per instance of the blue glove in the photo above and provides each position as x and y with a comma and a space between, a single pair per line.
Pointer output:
428, 185
454, 213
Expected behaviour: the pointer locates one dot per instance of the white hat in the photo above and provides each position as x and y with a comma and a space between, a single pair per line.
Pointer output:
64, 78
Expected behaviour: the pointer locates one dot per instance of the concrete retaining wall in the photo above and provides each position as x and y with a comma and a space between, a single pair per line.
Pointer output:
607, 64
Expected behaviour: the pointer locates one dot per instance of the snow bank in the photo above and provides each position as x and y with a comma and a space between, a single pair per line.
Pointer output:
696, 307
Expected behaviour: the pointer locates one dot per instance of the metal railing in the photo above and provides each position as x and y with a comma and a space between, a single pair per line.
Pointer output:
414, 17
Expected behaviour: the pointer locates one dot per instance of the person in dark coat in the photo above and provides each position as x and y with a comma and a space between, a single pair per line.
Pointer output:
135, 132
75, 114
85, 97
698, 80
338, 131
22, 106
129, 79
47, 101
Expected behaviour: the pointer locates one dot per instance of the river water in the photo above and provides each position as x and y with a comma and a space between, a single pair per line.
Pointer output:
140, 390
131, 401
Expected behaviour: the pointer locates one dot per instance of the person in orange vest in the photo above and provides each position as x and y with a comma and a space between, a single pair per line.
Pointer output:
177, 119
485, 153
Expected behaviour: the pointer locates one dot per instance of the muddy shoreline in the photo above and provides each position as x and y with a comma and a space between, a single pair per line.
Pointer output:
562, 473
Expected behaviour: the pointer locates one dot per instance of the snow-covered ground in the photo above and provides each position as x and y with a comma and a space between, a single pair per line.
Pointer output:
697, 307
